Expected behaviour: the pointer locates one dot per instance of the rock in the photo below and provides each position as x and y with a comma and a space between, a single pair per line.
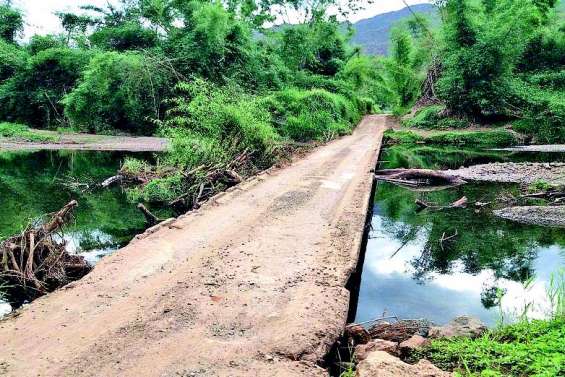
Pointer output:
463, 326
399, 331
363, 350
381, 364
358, 334
412, 344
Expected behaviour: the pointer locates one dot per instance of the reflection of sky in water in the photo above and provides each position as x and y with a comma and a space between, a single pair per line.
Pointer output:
104, 244
388, 286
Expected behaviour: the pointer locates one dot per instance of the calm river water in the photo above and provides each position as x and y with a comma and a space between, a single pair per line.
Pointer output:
411, 273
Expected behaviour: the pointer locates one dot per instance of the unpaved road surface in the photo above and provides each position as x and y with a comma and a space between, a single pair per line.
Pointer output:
252, 284
88, 142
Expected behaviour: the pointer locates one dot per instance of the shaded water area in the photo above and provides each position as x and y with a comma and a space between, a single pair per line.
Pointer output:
33, 184
438, 265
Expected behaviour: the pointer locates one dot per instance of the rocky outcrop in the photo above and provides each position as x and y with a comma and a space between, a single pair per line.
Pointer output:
412, 344
358, 334
399, 331
363, 350
463, 326
381, 364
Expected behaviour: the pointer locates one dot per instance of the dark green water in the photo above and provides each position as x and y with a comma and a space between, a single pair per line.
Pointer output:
34, 184
409, 272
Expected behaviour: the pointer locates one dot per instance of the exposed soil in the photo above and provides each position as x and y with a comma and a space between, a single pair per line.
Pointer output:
88, 142
251, 284
510, 172
535, 215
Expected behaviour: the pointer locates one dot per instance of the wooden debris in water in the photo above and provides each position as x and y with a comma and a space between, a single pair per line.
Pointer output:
460, 203
418, 177
36, 262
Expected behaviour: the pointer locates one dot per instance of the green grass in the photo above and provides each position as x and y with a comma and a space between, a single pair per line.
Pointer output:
534, 348
491, 138
21, 132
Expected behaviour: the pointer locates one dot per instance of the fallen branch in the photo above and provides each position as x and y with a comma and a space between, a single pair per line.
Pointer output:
460, 203
149, 217
418, 177
112, 180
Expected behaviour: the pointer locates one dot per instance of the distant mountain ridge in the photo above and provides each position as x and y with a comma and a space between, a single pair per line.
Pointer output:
373, 34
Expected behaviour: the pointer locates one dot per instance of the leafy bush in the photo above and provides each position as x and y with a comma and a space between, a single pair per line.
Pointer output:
525, 349
312, 114
119, 91
211, 124
159, 190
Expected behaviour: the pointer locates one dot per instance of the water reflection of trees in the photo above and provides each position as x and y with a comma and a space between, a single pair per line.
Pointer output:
483, 241
30, 186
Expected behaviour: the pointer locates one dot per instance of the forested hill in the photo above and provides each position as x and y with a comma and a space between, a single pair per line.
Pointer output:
373, 34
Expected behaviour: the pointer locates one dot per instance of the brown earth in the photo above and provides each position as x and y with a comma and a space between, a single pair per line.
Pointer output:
88, 142
251, 284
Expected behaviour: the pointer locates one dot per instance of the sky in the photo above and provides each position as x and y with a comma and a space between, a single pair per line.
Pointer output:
40, 18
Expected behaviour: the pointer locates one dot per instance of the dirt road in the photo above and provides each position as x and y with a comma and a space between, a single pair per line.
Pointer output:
252, 284
88, 142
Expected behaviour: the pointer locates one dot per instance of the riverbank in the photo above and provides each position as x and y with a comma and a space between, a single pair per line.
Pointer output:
52, 140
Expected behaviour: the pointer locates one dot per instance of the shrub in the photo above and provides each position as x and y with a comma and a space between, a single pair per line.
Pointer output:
211, 124
312, 114
159, 190
119, 91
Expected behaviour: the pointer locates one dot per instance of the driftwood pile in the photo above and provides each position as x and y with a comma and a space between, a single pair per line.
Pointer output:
205, 181
199, 183
36, 262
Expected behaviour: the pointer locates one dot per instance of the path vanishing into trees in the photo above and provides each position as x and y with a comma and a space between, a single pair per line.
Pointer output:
251, 284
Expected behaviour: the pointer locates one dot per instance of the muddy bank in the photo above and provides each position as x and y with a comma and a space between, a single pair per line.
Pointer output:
88, 142
510, 172
535, 215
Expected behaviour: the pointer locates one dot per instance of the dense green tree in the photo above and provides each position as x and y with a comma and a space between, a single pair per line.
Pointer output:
11, 23
33, 95
119, 92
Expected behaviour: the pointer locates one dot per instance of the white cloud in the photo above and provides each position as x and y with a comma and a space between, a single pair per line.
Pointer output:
40, 17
